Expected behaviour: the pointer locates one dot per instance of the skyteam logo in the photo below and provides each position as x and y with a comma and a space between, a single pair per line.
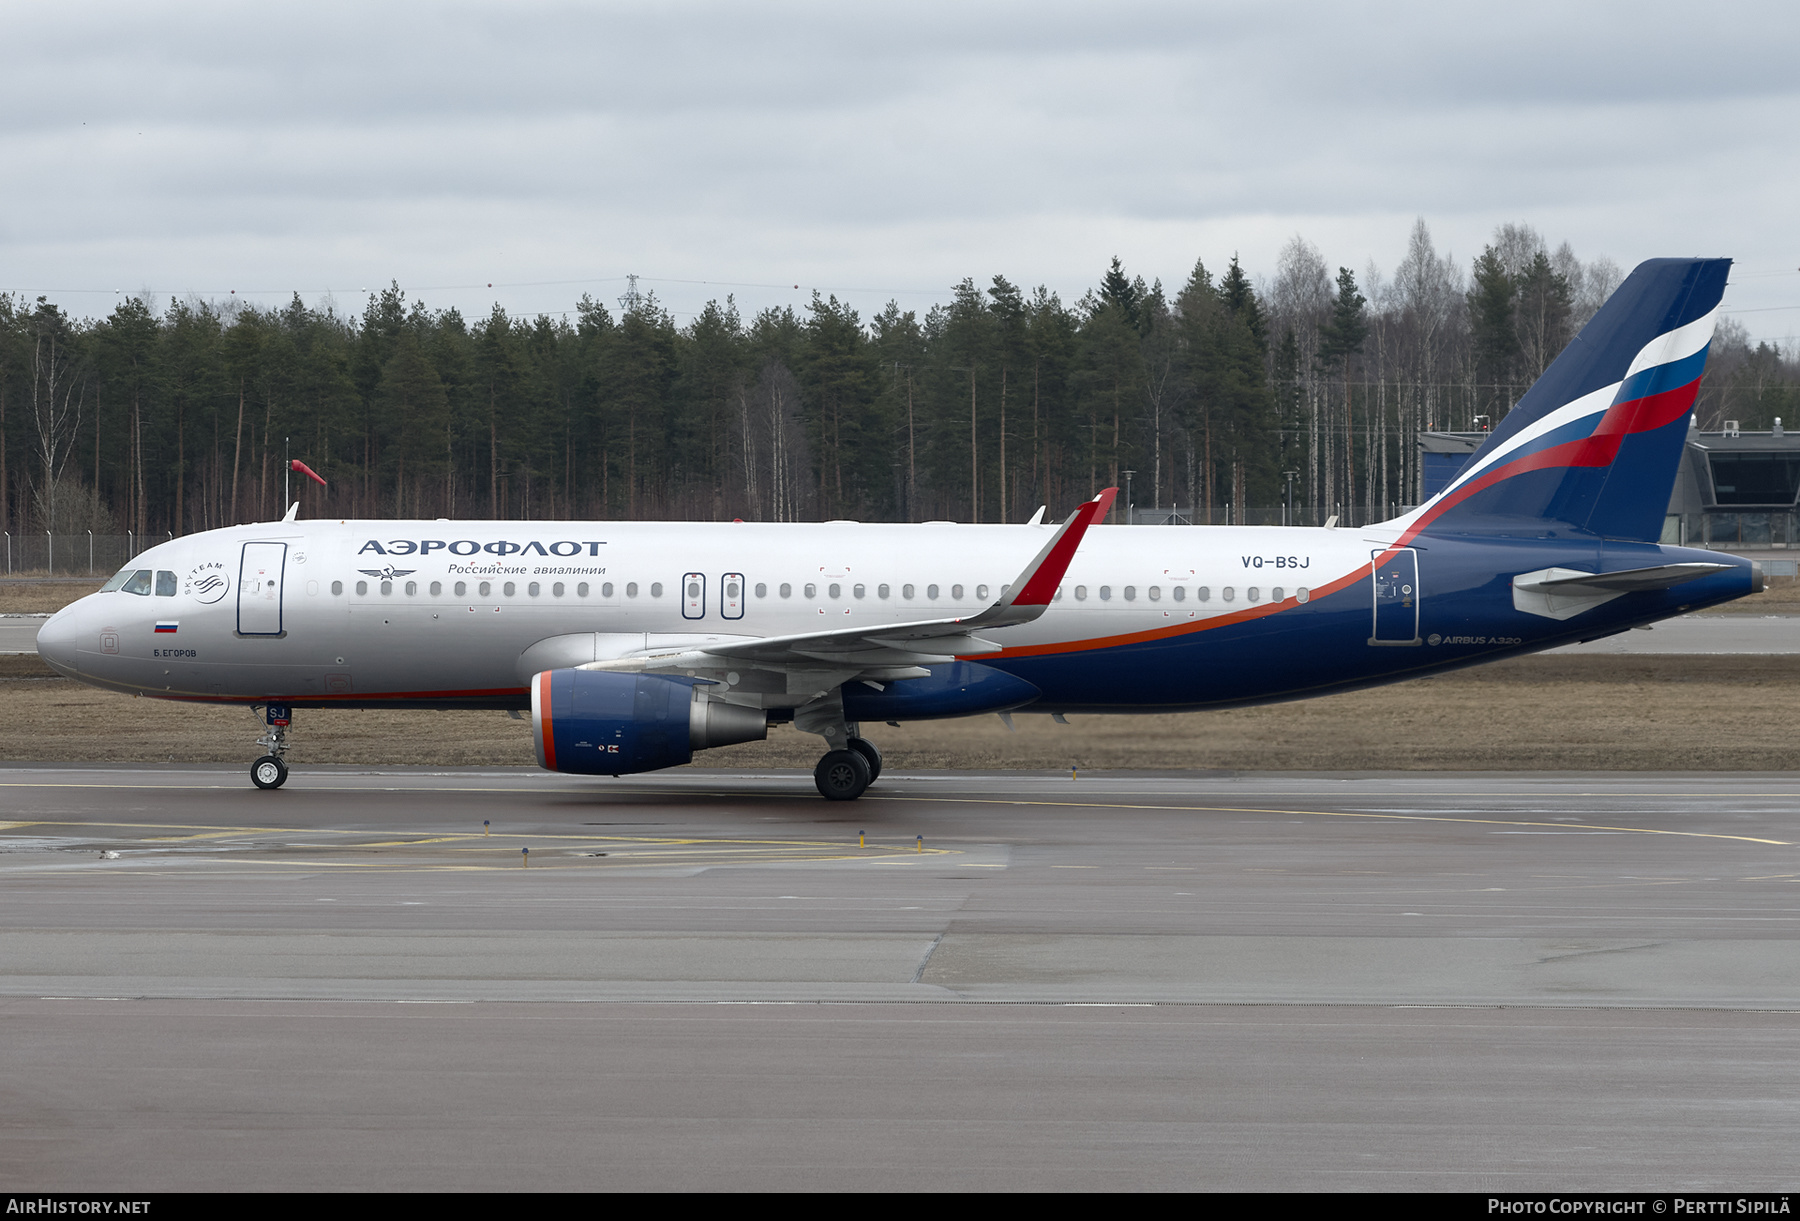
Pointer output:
206, 583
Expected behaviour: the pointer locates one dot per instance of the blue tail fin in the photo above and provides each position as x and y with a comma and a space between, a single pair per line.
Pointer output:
1595, 443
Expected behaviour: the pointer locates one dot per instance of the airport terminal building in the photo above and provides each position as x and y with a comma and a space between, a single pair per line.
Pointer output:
1736, 490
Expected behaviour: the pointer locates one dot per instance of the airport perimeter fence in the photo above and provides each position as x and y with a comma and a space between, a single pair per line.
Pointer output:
38, 554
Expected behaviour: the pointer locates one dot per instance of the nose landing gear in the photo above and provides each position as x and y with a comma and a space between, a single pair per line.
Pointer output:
271, 771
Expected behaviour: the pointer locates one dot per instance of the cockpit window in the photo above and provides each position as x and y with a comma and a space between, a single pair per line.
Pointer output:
165, 584
118, 580
139, 583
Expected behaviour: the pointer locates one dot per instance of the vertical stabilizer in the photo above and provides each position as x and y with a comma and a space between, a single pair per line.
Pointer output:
1595, 443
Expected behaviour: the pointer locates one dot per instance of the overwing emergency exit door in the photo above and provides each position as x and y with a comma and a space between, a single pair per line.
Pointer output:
1396, 573
259, 589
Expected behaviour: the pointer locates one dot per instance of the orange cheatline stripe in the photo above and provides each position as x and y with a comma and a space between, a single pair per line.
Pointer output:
1174, 630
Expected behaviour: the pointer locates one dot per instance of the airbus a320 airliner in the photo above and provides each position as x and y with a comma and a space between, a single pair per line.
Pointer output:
635, 644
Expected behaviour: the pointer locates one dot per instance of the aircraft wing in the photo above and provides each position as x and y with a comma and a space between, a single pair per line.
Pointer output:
889, 645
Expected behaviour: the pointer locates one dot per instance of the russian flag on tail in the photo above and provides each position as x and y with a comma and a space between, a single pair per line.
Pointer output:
1593, 446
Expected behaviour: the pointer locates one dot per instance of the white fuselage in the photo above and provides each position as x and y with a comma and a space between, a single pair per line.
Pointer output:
445, 611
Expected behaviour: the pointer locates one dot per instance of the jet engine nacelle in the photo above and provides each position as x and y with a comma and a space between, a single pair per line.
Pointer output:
601, 723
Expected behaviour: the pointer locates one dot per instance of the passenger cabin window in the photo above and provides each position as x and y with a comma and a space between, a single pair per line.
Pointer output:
165, 584
1131, 593
485, 588
556, 590
1228, 593
906, 591
1106, 593
1081, 593
787, 591
412, 589
1179, 594
631, 589
956, 593
1156, 593
881, 591
532, 589
462, 588
581, 590
509, 589
762, 589
337, 588
981, 592
1203, 593
362, 588
811, 590
437, 587
931, 592
656, 589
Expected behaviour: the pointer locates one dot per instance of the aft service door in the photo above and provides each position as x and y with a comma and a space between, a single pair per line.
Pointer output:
1396, 573
259, 589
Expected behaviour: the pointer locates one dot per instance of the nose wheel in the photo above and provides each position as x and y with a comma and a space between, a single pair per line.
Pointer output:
268, 772
271, 771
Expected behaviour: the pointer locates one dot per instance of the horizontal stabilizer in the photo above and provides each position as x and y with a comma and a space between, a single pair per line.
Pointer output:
1629, 580
1563, 593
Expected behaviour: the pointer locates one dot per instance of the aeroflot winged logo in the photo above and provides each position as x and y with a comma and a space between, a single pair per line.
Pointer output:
468, 546
387, 572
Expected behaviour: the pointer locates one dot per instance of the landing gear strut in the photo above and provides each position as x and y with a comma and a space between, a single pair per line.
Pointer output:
270, 771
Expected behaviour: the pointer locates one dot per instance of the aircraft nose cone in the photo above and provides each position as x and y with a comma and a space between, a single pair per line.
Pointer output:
57, 639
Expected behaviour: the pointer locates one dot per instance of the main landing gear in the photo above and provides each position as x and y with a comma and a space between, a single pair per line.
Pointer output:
842, 775
852, 764
271, 771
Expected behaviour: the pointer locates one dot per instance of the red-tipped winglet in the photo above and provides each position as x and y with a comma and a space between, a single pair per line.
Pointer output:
306, 470
1036, 586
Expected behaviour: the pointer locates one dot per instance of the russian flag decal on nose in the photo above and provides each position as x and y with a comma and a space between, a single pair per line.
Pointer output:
167, 625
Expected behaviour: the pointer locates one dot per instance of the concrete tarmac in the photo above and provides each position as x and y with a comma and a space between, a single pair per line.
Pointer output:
715, 980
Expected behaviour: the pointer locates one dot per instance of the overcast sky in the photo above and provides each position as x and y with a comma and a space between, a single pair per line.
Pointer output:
873, 152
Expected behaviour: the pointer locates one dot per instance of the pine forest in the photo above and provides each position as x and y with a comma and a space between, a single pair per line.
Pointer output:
1227, 397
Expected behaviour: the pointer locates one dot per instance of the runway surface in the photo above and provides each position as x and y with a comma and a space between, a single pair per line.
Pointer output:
1479, 982
1687, 634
